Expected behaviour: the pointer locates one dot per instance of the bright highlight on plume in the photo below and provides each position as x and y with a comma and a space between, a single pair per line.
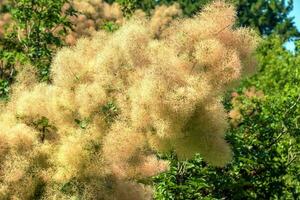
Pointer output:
117, 99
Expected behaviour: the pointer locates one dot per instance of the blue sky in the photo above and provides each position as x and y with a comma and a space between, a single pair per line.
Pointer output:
295, 13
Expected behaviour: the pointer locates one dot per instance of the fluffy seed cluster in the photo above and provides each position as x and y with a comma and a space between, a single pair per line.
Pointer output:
5, 20
161, 16
116, 99
95, 13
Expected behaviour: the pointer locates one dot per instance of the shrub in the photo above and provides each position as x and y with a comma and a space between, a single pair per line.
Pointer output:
115, 101
28, 35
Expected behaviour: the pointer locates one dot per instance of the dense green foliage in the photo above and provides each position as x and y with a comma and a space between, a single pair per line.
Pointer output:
39, 19
32, 37
268, 16
189, 7
265, 142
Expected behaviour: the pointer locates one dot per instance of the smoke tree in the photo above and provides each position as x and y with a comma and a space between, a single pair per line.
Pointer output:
116, 99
